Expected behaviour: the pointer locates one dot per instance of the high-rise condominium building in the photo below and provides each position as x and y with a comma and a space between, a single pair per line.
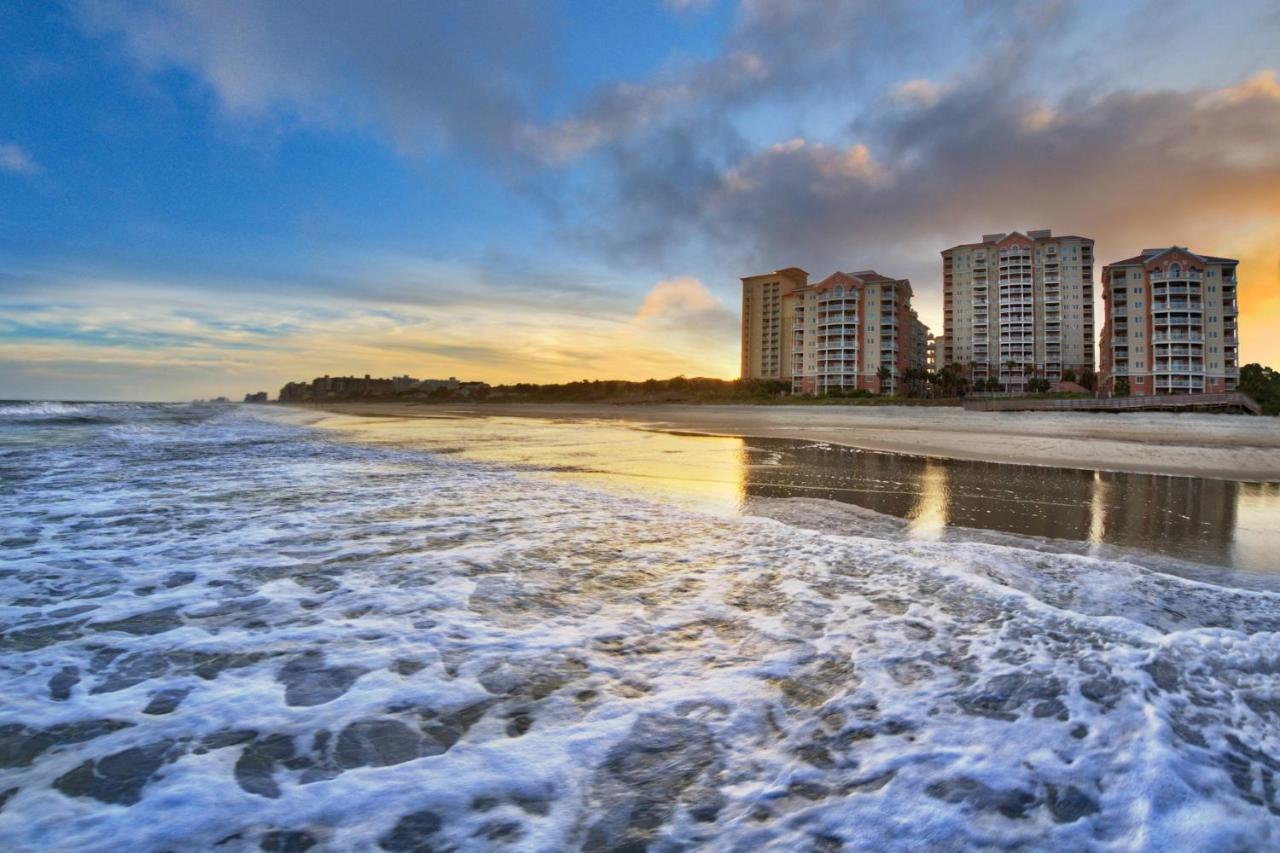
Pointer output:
766, 334
1017, 306
920, 341
850, 330
1171, 323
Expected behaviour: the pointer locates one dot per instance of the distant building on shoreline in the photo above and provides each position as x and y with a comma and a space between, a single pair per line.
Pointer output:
256, 397
1171, 324
849, 331
921, 340
1017, 306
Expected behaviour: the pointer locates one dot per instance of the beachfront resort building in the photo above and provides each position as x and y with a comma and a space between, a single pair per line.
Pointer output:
921, 341
1018, 306
848, 331
1171, 324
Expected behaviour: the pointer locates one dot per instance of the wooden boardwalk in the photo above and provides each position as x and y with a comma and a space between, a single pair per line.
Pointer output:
1228, 401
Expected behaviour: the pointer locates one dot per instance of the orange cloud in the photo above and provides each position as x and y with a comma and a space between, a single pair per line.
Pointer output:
674, 296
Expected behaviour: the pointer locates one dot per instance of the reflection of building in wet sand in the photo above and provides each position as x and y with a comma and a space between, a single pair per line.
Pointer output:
1186, 517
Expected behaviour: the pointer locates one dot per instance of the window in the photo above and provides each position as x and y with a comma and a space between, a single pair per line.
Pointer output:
839, 290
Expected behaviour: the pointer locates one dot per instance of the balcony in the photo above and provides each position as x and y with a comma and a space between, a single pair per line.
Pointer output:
1170, 383
1185, 275
1178, 289
1162, 337
1176, 305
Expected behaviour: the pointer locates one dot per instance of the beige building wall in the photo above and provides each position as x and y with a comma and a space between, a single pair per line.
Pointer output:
1020, 298
767, 320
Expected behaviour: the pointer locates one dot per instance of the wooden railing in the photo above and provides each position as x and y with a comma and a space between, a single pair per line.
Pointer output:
1159, 402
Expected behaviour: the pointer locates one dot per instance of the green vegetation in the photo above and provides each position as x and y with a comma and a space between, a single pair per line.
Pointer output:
1263, 385
679, 389
1122, 386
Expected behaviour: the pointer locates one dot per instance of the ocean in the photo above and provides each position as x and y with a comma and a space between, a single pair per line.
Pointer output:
244, 628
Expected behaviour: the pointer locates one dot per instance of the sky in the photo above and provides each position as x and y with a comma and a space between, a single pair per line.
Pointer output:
202, 199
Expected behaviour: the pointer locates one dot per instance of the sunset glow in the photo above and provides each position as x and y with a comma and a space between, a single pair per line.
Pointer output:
199, 199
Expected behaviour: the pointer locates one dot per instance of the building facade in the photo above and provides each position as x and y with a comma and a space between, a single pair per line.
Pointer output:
921, 343
1171, 324
848, 331
766, 338
1017, 306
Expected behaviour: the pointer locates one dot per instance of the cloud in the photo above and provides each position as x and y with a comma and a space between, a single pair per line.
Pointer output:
916, 93
111, 339
838, 135
683, 295
991, 153
685, 7
448, 74
778, 49
1261, 85
14, 159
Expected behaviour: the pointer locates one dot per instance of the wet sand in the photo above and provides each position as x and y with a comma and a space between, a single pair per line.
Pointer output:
1232, 447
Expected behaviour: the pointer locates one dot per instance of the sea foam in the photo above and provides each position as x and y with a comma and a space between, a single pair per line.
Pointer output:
225, 628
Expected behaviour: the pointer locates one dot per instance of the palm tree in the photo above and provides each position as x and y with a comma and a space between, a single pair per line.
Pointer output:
884, 374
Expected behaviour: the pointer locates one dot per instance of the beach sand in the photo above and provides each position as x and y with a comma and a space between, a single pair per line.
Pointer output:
1235, 447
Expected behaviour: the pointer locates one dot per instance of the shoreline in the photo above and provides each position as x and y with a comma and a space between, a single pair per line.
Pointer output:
1226, 447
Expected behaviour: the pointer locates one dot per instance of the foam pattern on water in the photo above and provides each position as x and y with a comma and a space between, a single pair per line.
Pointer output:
222, 628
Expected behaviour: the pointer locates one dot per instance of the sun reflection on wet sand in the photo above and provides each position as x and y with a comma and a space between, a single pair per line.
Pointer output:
929, 518
1211, 522
706, 473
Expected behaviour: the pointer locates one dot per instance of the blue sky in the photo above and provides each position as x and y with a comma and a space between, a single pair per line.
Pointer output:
209, 198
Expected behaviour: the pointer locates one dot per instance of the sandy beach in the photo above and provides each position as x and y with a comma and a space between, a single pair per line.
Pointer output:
1236, 447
